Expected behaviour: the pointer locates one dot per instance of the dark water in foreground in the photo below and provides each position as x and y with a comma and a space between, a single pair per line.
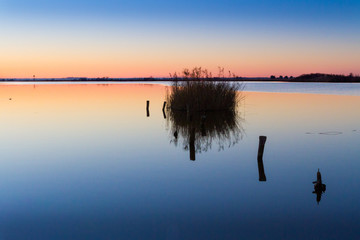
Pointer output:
85, 162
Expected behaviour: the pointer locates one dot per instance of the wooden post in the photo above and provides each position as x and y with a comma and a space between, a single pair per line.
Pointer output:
163, 110
319, 187
262, 141
164, 106
262, 177
147, 108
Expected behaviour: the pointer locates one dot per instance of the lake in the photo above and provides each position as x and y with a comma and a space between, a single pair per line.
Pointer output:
86, 161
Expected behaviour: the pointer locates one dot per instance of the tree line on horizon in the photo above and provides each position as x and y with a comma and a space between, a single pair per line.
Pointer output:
322, 77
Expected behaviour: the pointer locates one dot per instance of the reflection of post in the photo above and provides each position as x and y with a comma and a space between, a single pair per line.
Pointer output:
164, 114
262, 177
147, 108
163, 110
192, 144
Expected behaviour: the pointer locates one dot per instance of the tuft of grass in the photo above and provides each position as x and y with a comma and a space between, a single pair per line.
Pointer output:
198, 91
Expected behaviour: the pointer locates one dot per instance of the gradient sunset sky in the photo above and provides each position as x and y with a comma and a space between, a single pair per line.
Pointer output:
142, 38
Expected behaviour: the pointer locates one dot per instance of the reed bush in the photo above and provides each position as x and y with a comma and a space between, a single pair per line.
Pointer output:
197, 90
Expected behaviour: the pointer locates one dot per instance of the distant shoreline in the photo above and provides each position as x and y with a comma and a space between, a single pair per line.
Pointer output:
315, 78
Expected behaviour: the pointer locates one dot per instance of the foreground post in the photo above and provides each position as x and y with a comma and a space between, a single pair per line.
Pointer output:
319, 187
262, 177
147, 108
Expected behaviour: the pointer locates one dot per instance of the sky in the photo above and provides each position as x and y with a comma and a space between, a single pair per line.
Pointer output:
144, 38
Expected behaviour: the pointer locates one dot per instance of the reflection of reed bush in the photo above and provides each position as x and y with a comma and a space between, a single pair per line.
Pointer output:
204, 110
222, 128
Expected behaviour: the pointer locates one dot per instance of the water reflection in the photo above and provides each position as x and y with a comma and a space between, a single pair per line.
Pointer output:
86, 157
319, 187
199, 131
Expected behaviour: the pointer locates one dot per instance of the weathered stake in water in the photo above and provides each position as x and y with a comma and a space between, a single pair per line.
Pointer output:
163, 110
262, 177
147, 108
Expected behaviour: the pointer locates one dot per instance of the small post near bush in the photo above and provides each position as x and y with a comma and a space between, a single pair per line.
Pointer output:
163, 110
164, 105
147, 108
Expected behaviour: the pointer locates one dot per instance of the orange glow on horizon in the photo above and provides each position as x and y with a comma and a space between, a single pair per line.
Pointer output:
158, 64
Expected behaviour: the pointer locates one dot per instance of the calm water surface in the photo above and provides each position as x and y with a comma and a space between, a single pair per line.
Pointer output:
81, 161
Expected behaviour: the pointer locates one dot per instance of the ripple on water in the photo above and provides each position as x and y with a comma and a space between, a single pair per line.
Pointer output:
331, 133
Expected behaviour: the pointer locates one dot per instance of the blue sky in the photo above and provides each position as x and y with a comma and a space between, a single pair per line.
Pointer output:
226, 29
293, 10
